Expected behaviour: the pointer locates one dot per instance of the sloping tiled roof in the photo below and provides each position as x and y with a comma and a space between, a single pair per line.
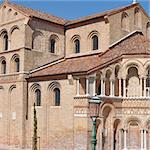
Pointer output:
134, 44
48, 17
80, 64
108, 13
35, 13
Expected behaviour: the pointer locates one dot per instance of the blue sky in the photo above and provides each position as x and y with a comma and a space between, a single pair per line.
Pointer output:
73, 9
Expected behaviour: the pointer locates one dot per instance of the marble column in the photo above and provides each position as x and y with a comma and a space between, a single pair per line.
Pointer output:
78, 86
144, 90
119, 87
124, 87
94, 86
111, 87
87, 86
102, 87
142, 136
125, 139
145, 139
120, 139
113, 136
141, 86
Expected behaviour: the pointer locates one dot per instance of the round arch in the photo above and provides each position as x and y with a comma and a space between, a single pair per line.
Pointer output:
132, 118
89, 39
132, 63
54, 94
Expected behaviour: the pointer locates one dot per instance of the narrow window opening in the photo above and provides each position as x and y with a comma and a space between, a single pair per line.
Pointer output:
17, 64
3, 67
57, 96
38, 97
77, 46
5, 42
53, 46
95, 42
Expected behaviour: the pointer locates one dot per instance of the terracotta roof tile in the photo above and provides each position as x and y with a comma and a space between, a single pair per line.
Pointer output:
135, 44
108, 13
80, 64
59, 20
35, 13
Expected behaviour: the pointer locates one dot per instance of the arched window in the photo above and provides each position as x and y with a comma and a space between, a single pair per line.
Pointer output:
125, 24
137, 17
5, 42
148, 30
52, 46
37, 40
17, 64
37, 97
57, 96
77, 46
148, 77
3, 67
95, 42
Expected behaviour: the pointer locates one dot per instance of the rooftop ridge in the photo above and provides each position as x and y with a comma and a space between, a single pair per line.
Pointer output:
36, 13
101, 14
58, 20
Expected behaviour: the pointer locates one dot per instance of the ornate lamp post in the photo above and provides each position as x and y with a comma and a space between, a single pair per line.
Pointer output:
94, 104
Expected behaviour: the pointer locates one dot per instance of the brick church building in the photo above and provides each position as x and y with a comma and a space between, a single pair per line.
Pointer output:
61, 64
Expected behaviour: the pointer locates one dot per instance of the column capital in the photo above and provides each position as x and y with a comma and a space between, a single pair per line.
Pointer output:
142, 76
141, 129
119, 78
103, 78
112, 79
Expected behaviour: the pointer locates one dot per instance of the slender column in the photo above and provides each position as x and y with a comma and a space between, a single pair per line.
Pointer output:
104, 84
125, 139
113, 85
78, 87
124, 87
119, 87
87, 86
9, 43
120, 139
94, 86
112, 147
144, 90
142, 139
102, 87
101, 139
111, 88
141, 86
145, 140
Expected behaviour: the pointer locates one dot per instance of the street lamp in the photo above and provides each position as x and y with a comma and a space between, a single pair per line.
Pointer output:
94, 104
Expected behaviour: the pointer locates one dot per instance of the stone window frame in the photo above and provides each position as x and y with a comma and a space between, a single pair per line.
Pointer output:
125, 22
4, 41
137, 18
3, 68
56, 50
90, 40
148, 30
51, 94
34, 87
73, 44
15, 65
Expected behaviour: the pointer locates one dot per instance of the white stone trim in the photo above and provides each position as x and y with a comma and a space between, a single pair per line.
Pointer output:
124, 38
